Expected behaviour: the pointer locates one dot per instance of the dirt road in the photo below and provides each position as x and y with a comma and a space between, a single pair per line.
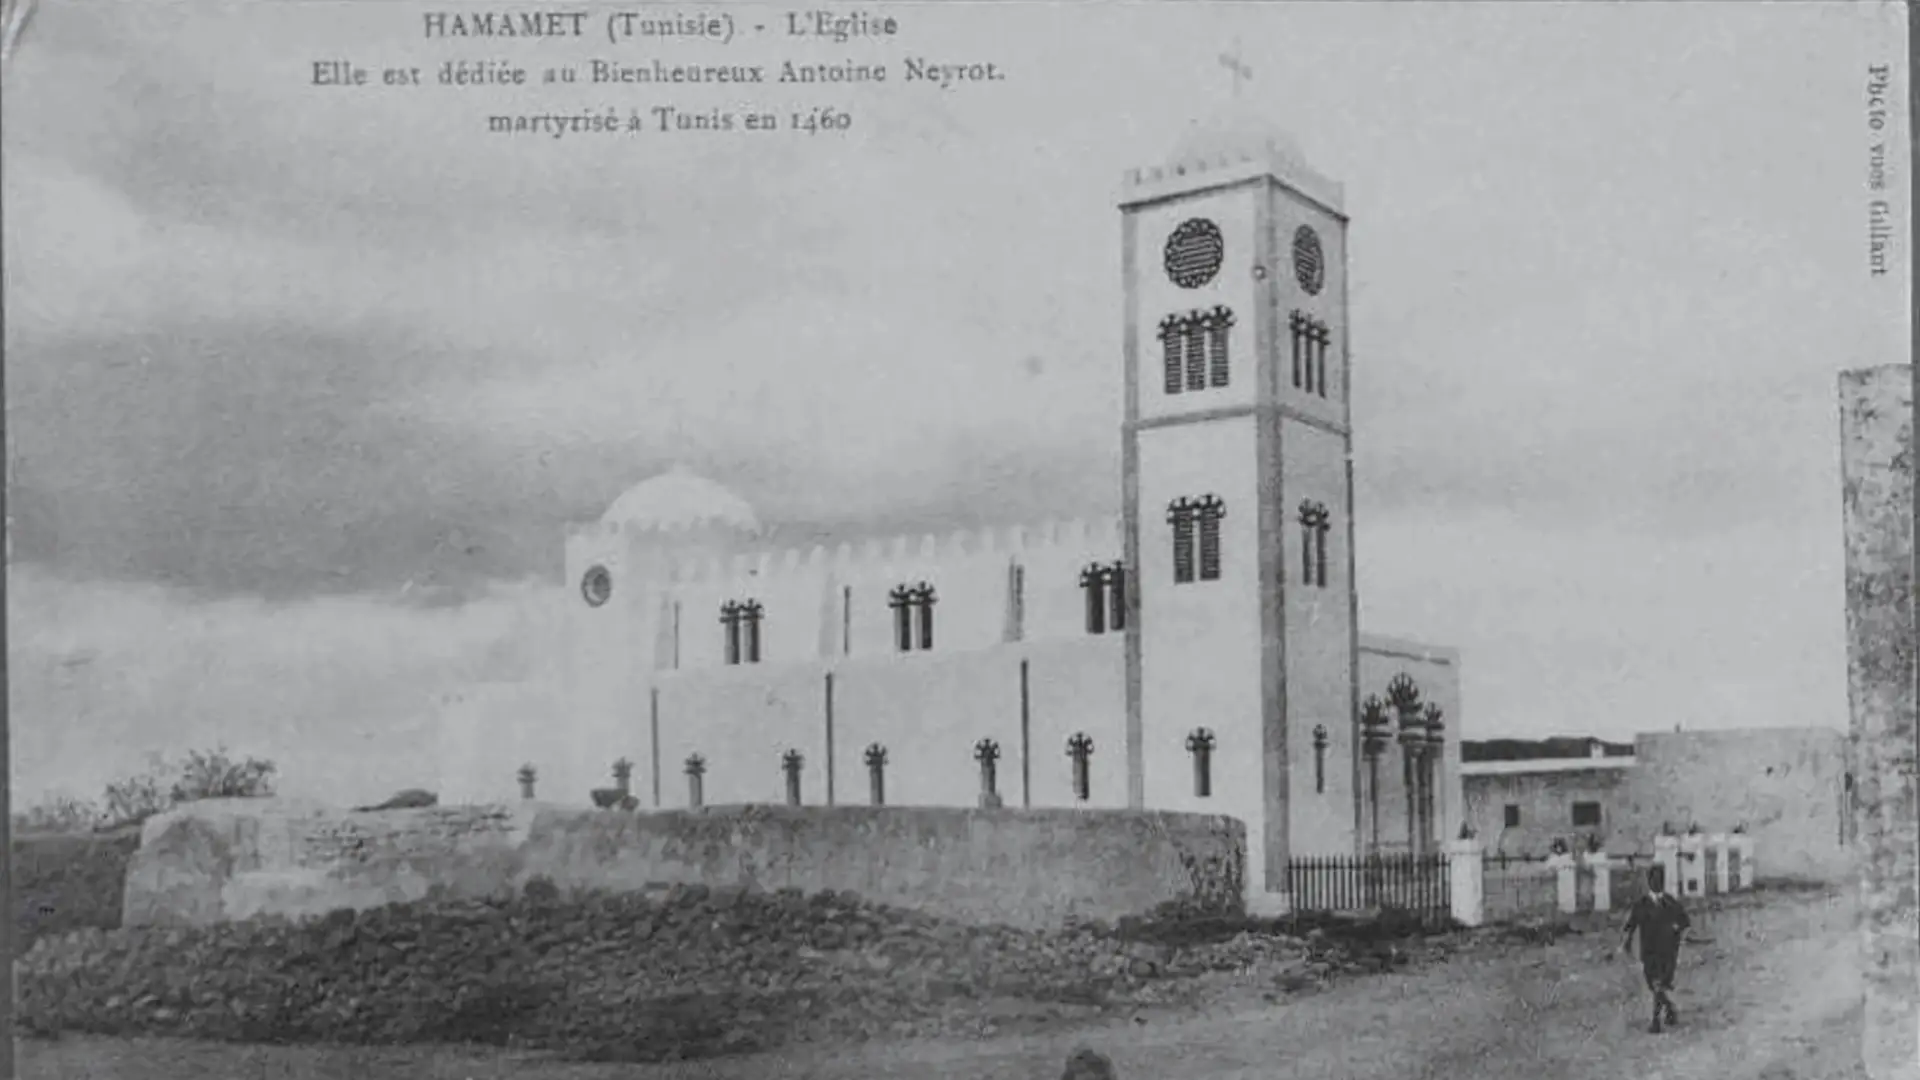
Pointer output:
1774, 995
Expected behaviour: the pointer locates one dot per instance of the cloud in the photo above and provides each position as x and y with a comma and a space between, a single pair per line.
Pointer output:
315, 366
1594, 629
277, 353
339, 692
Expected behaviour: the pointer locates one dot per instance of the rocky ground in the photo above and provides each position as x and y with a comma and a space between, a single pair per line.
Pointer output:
690, 974
1771, 994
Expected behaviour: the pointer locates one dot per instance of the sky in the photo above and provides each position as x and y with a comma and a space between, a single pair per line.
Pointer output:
303, 384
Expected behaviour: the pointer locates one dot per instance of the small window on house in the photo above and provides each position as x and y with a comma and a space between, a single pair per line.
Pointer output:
1586, 815
1512, 816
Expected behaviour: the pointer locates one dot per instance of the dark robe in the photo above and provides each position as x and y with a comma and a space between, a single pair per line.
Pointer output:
1661, 922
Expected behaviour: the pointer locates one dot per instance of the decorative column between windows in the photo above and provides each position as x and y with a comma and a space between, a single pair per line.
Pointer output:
1200, 745
876, 759
696, 769
1375, 738
986, 753
791, 763
1404, 694
1080, 750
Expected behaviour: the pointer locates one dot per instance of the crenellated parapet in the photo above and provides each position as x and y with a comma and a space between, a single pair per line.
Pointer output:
679, 565
1229, 164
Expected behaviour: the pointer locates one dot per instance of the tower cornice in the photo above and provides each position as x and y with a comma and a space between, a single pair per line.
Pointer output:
1231, 412
1159, 184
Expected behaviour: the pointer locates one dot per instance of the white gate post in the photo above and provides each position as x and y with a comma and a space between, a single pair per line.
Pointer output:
1693, 865
1467, 903
1743, 842
1565, 869
1722, 862
1666, 852
1601, 868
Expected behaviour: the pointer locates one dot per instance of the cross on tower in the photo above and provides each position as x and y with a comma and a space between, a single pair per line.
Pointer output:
1237, 67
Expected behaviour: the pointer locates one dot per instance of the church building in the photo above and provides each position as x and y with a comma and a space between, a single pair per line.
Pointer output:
1201, 652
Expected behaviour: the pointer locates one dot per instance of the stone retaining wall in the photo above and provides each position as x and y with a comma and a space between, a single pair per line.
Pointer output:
224, 860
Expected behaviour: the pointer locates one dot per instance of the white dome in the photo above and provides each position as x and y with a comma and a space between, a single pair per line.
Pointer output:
679, 501
1238, 134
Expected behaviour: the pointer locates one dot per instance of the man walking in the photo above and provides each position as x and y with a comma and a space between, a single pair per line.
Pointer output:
1661, 922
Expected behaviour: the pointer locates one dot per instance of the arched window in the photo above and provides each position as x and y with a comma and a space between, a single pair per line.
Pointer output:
1093, 586
1194, 352
1173, 339
1215, 324
1181, 516
1193, 336
1103, 586
1196, 523
741, 620
1310, 340
1314, 525
912, 611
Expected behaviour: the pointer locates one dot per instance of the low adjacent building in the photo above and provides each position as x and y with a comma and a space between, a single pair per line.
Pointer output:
1790, 787
1520, 807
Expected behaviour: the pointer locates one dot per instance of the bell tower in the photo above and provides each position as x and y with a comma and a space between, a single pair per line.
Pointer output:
1238, 496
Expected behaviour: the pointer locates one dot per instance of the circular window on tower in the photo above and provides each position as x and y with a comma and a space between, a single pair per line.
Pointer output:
1194, 253
596, 586
1309, 262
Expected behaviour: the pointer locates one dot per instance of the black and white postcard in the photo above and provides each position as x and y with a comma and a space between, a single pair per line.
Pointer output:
985, 540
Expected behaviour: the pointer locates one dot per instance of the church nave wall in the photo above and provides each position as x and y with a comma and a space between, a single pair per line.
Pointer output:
987, 588
929, 711
741, 722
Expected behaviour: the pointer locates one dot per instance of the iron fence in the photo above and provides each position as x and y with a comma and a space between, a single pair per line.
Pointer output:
1370, 883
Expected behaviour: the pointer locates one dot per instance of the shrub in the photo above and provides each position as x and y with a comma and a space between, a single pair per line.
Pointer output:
214, 775
201, 774
134, 799
58, 814
70, 856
